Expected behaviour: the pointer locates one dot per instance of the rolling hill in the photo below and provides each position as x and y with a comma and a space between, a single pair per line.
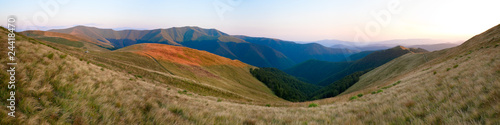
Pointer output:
307, 51
370, 61
261, 52
314, 71
60, 84
324, 73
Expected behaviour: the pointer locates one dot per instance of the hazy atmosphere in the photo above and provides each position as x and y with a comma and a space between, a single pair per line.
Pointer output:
301, 20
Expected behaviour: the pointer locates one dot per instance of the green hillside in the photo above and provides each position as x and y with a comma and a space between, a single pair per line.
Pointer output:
284, 85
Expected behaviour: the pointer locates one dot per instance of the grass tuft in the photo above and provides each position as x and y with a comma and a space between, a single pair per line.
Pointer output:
380, 90
50, 56
352, 98
176, 111
313, 105
62, 56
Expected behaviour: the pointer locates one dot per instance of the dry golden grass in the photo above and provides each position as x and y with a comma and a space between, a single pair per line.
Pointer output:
70, 91
183, 55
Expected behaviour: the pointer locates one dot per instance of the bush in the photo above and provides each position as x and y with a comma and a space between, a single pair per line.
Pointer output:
455, 66
268, 105
374, 92
448, 69
386, 87
396, 83
435, 72
352, 98
360, 95
313, 105
50, 56
219, 100
380, 90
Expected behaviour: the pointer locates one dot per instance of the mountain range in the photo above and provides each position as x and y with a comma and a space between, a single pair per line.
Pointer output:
427, 44
59, 81
324, 73
261, 52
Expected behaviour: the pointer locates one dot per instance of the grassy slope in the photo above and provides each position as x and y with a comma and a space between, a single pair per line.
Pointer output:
65, 39
206, 68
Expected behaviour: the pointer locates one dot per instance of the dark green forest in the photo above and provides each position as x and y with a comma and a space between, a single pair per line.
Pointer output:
283, 85
290, 88
338, 86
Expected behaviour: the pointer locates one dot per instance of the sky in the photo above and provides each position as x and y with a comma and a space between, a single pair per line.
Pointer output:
294, 20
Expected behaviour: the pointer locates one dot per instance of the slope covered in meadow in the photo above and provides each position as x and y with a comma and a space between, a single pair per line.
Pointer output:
60, 85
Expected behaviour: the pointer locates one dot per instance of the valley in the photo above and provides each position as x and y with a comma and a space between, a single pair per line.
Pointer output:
69, 78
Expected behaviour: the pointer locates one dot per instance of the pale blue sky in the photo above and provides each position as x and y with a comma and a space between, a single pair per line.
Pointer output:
296, 20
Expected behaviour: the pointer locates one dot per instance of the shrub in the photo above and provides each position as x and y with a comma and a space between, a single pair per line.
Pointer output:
313, 105
435, 72
101, 65
62, 56
448, 69
496, 45
182, 92
374, 92
268, 105
352, 98
360, 95
380, 90
455, 66
50, 56
386, 87
219, 100
396, 83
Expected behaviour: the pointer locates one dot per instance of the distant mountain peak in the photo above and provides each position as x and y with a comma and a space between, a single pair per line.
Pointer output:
400, 47
412, 50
